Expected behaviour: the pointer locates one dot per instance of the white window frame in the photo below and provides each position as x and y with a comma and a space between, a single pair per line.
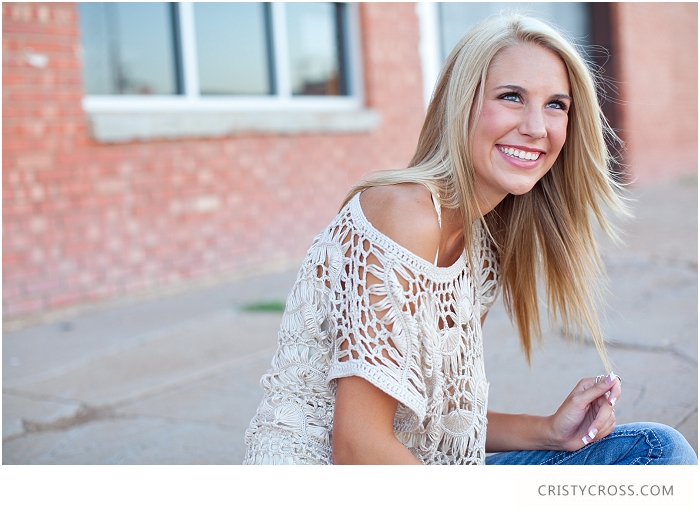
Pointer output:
429, 47
116, 118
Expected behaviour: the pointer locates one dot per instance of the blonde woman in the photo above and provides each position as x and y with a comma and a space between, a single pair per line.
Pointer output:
380, 347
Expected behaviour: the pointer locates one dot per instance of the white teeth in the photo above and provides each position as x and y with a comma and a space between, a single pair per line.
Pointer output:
517, 153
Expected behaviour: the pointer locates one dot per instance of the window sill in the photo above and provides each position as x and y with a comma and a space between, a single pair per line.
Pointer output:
110, 126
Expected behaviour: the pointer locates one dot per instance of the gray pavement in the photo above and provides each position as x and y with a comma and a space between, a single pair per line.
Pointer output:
175, 381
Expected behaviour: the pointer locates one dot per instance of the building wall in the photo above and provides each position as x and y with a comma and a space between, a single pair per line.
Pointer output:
657, 47
84, 221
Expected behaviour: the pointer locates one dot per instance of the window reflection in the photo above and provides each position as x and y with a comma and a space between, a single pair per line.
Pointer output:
129, 48
233, 49
456, 18
134, 48
315, 39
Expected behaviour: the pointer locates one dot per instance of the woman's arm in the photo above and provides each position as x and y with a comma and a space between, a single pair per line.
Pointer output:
363, 426
585, 416
506, 432
363, 422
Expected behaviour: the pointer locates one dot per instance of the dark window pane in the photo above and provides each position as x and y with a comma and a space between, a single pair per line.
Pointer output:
315, 40
129, 48
233, 48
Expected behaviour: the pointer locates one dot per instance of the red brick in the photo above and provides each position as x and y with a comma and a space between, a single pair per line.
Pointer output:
9, 259
63, 299
652, 67
10, 211
100, 292
9, 27
11, 307
9, 78
10, 145
39, 160
43, 286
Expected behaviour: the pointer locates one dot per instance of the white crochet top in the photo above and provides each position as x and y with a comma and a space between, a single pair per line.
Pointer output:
415, 333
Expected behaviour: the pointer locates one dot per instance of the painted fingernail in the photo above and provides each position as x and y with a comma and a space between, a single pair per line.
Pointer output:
612, 401
585, 440
609, 379
592, 433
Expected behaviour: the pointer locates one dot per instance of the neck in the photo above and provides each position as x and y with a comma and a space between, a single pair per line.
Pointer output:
452, 235
485, 206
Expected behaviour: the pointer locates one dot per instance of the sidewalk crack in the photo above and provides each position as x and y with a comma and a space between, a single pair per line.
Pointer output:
40, 397
670, 348
687, 417
83, 415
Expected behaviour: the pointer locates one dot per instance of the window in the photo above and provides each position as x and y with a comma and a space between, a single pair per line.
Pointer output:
238, 32
195, 69
316, 61
443, 25
457, 18
129, 48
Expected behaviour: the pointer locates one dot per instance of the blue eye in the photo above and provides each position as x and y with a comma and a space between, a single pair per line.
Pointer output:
510, 96
559, 105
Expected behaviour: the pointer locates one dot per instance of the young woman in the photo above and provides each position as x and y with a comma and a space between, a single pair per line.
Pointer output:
380, 348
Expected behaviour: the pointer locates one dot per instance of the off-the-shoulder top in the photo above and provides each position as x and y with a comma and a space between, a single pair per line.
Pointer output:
362, 305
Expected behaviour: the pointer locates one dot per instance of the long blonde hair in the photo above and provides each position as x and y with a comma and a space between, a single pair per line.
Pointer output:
548, 230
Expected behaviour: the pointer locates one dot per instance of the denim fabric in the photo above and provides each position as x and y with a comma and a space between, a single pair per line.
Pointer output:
629, 444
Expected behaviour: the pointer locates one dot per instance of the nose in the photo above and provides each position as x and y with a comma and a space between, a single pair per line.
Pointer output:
533, 123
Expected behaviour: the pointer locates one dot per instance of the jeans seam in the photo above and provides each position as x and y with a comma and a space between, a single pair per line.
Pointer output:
652, 447
556, 460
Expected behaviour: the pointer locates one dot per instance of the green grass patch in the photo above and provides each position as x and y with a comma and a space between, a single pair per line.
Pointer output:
264, 306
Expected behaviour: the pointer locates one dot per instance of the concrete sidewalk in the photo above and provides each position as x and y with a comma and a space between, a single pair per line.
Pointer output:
175, 381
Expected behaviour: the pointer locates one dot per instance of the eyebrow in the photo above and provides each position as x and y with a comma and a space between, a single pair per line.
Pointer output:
520, 89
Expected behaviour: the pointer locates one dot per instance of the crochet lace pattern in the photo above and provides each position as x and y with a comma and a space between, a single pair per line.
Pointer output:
364, 306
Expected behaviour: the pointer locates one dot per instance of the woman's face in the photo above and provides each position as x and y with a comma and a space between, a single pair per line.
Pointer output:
522, 125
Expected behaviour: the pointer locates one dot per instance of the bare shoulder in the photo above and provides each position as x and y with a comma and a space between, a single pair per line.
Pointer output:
405, 213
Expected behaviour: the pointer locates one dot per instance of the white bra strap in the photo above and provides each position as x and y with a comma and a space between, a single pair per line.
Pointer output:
437, 209
439, 214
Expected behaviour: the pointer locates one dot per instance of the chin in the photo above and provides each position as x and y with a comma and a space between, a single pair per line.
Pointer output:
519, 190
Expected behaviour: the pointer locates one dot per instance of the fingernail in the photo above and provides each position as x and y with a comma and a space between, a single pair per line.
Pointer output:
612, 401
592, 433
609, 379
585, 440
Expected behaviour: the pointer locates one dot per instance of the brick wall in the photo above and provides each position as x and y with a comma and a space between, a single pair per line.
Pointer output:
84, 221
657, 45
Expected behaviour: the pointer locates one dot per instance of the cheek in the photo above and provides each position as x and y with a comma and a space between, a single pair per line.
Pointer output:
557, 135
492, 123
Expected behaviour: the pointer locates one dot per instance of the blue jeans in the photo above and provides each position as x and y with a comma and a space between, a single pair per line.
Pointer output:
629, 444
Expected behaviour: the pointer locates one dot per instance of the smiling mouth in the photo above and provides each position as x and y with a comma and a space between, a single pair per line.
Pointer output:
517, 153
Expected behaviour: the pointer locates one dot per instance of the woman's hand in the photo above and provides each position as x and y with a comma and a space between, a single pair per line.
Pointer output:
586, 415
